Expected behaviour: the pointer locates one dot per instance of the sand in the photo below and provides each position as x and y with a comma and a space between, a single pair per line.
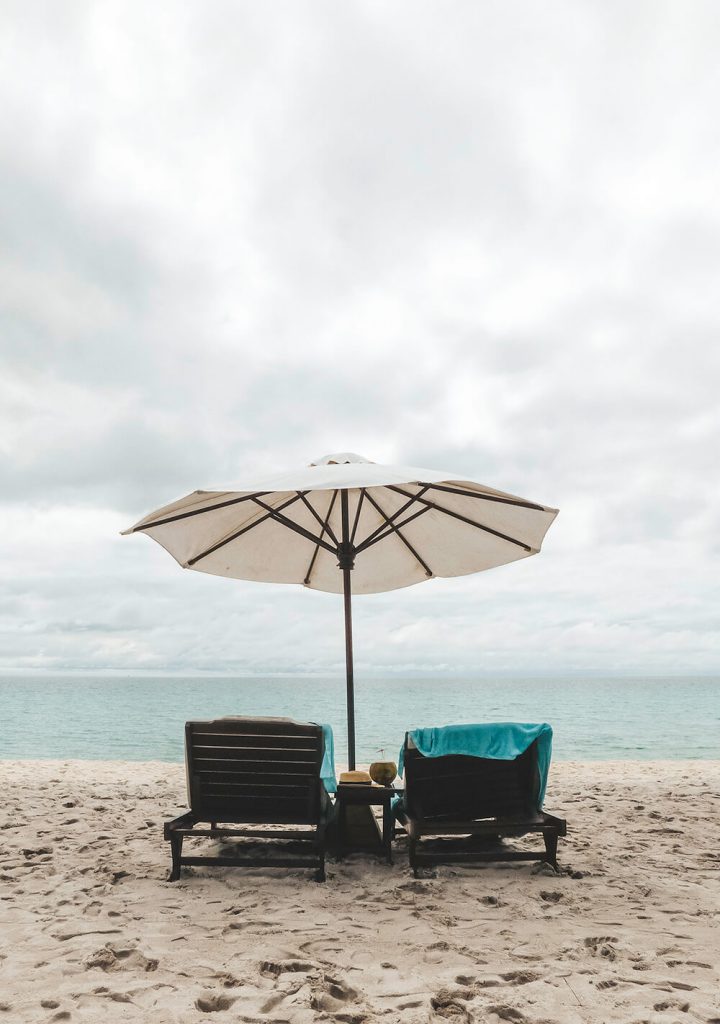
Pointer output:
90, 930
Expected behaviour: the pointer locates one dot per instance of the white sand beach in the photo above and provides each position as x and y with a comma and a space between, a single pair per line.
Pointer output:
92, 931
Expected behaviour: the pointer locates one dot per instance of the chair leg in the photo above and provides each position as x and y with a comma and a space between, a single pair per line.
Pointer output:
320, 842
176, 843
412, 846
551, 842
320, 873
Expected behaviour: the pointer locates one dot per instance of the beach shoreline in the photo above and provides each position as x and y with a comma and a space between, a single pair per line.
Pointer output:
92, 930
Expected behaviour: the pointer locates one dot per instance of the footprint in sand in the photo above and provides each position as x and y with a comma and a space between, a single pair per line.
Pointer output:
211, 1003
226, 979
274, 968
321, 949
506, 1012
672, 1004
551, 897
273, 1002
602, 945
110, 958
332, 994
520, 977
449, 1002
120, 997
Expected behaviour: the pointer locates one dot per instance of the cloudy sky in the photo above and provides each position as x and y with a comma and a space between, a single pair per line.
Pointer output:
236, 236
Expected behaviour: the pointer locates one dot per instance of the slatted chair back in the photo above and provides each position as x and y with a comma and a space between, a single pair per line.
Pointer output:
254, 770
461, 788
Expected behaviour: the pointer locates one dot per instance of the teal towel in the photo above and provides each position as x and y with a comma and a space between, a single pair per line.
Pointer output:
502, 740
327, 769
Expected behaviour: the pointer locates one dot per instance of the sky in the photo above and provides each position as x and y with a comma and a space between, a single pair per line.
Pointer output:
481, 236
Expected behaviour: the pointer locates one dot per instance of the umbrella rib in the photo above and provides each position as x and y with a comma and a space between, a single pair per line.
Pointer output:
487, 497
325, 525
295, 527
259, 494
464, 519
357, 515
198, 511
394, 528
370, 537
388, 531
306, 581
239, 533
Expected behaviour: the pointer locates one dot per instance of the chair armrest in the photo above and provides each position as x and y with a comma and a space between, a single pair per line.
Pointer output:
183, 821
559, 823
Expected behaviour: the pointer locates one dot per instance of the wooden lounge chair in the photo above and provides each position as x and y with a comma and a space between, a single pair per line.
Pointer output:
259, 771
481, 797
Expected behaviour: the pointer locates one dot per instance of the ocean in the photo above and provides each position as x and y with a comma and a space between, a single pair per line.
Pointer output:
100, 717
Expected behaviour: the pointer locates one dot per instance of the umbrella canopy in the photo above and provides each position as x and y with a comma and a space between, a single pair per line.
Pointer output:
388, 526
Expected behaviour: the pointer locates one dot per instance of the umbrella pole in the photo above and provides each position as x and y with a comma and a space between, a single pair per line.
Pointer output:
349, 670
346, 561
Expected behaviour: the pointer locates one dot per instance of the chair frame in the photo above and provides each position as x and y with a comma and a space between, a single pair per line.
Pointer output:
281, 738
465, 778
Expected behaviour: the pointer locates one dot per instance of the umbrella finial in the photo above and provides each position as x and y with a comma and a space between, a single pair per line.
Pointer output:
339, 459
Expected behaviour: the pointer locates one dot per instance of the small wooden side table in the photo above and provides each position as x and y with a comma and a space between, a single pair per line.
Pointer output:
366, 795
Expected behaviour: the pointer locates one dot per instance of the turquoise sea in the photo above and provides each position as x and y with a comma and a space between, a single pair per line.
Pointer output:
139, 719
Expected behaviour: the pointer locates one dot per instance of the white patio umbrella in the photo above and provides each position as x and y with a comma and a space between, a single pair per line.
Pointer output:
347, 525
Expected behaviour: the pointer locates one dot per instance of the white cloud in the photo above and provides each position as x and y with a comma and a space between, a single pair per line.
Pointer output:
235, 239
